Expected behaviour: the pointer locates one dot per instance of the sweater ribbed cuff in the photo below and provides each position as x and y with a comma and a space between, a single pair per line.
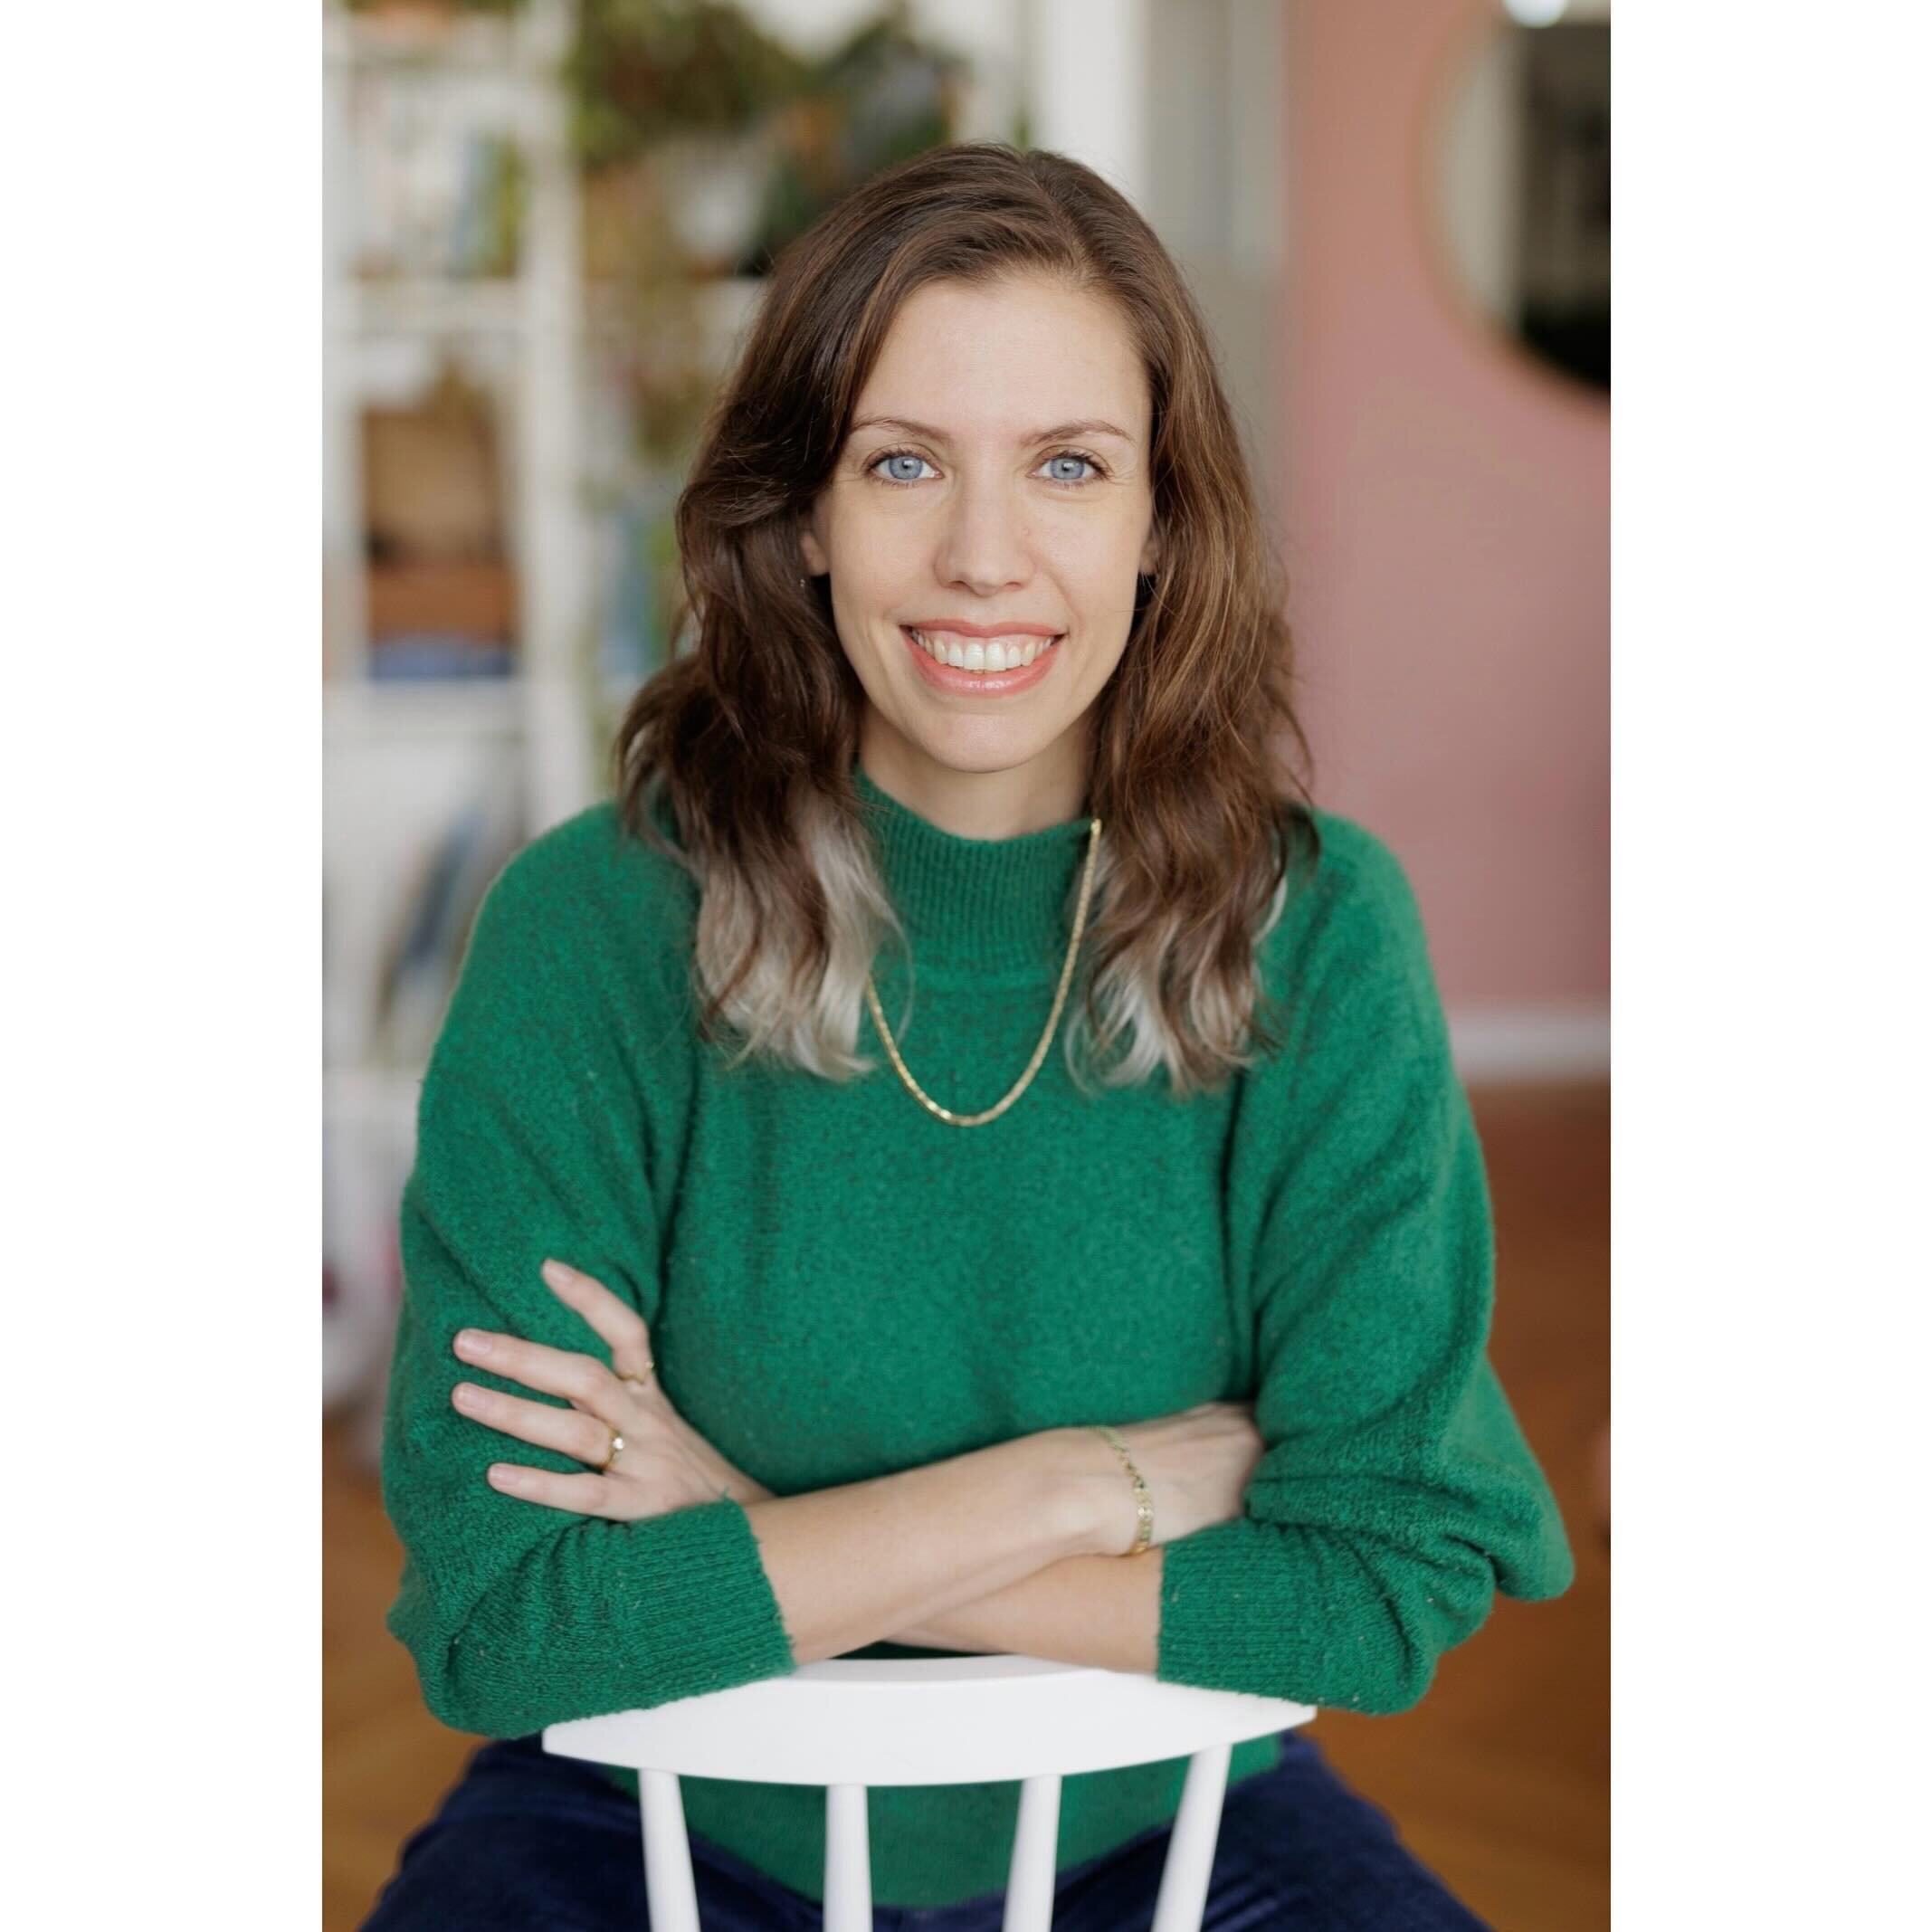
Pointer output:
1226, 1620
712, 1614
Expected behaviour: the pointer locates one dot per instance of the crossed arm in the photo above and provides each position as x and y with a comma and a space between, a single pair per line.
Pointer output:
1006, 1549
938, 1534
1090, 1610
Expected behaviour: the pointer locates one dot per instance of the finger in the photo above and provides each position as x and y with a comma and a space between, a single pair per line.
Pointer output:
569, 1431
616, 1322
588, 1495
556, 1371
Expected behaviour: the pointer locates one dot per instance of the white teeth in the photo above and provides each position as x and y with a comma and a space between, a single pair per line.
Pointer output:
983, 654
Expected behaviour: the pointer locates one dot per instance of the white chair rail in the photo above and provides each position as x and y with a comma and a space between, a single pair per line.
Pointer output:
847, 1723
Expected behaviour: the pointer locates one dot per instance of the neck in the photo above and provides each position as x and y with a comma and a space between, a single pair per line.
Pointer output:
973, 906
1046, 791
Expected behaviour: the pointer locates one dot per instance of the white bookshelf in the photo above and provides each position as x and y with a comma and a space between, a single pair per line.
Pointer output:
401, 757
533, 323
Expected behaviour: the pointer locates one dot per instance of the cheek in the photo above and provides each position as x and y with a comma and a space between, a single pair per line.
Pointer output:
1095, 553
1103, 596
876, 552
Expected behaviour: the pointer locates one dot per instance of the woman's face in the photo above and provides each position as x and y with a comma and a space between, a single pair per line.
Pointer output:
1008, 503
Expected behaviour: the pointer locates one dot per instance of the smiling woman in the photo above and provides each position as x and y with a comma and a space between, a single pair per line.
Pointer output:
1175, 1363
978, 406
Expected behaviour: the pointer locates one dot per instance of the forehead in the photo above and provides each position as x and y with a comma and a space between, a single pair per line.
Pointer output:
1004, 360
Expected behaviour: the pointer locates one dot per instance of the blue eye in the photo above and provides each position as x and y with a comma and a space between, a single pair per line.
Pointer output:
1070, 456
898, 456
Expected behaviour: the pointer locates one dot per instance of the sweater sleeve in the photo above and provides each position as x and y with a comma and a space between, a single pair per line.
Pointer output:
1396, 1493
535, 1138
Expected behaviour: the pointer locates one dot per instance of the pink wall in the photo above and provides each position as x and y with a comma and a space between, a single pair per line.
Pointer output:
1447, 514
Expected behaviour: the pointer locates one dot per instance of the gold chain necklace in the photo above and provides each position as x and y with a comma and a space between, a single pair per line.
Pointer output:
1032, 1066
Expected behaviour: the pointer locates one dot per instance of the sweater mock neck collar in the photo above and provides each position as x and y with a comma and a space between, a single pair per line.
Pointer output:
992, 903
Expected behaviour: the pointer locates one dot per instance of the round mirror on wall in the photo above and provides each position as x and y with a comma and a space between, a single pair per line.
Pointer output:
1516, 171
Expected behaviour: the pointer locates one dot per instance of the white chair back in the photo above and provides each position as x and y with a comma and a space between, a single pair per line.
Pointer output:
847, 1723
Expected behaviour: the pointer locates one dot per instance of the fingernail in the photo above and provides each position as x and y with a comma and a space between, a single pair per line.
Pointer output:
465, 1397
470, 1342
557, 1275
504, 1476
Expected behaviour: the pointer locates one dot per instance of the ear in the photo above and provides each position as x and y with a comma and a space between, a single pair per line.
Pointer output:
1151, 555
812, 550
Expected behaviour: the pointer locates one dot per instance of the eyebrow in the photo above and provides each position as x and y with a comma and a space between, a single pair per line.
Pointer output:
1081, 426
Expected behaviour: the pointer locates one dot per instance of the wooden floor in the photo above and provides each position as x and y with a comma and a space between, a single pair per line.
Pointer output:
1500, 1779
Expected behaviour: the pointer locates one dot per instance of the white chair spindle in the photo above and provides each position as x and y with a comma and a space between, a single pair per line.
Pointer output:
848, 1861
1190, 1860
1030, 1877
668, 1883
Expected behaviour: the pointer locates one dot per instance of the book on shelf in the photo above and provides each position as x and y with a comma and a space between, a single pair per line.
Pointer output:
423, 659
463, 596
431, 928
637, 562
441, 617
432, 488
442, 595
438, 180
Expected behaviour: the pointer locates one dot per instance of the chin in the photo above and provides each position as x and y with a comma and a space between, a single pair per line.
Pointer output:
982, 751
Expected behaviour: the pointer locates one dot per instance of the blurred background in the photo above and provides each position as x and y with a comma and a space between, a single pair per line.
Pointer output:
546, 224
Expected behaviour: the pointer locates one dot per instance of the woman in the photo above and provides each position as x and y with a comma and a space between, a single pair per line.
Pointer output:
759, 1311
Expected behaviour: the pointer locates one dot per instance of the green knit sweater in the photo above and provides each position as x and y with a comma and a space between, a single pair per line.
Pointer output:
839, 1286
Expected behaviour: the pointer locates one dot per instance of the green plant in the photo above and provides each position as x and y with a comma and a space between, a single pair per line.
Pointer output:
642, 71
508, 210
884, 95
656, 339
432, 7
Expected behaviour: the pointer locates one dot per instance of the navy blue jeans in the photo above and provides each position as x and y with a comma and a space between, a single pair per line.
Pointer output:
529, 1842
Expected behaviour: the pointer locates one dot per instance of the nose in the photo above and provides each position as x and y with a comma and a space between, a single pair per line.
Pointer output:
986, 546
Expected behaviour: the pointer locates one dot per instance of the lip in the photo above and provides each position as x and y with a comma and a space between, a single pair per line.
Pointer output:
981, 630
985, 683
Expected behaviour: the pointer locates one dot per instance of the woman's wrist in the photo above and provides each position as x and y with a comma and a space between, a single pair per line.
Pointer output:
1142, 1496
1092, 1491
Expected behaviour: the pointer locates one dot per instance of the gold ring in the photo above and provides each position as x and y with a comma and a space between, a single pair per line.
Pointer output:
637, 1382
617, 1450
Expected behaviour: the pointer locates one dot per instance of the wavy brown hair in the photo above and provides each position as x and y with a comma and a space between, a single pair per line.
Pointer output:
751, 744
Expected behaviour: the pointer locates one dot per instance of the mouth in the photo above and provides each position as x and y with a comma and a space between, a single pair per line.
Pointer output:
975, 667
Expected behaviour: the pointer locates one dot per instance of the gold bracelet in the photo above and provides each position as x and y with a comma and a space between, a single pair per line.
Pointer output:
1143, 1500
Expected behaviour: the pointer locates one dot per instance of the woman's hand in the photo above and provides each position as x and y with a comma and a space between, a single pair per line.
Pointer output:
1197, 1464
664, 1464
